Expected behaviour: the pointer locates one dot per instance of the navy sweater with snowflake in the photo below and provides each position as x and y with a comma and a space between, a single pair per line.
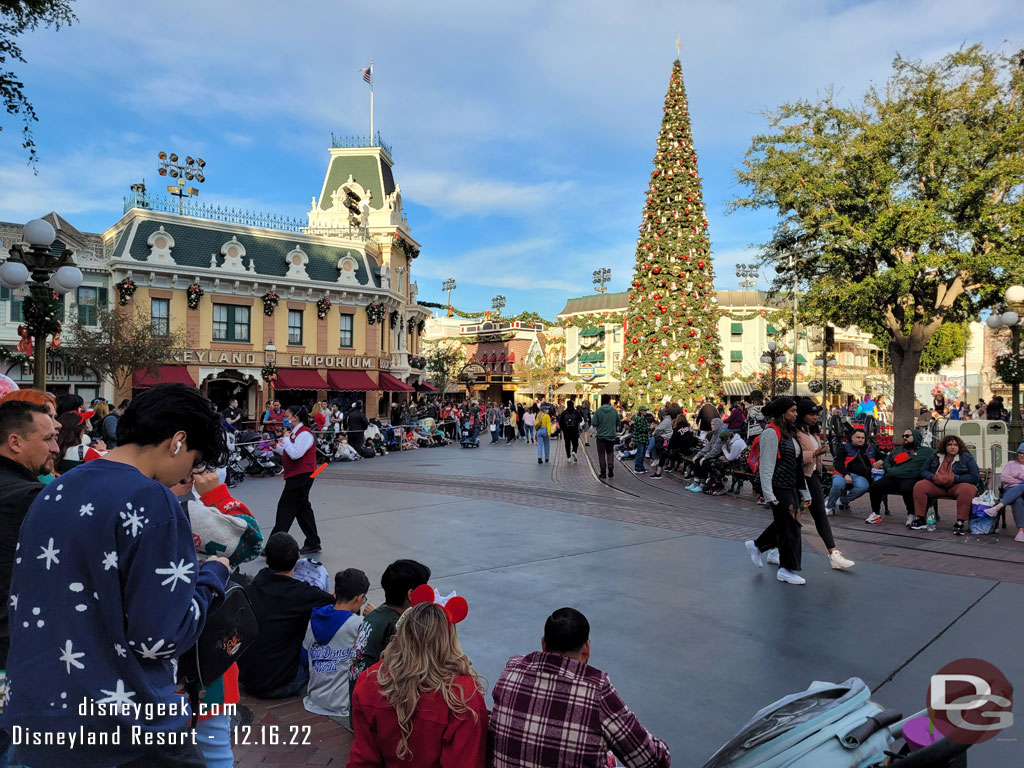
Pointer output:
105, 593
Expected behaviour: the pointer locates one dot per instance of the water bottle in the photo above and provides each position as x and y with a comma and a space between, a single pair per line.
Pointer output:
930, 520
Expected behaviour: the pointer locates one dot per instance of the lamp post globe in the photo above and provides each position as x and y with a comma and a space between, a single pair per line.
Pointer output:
994, 321
1015, 294
39, 232
13, 274
1009, 318
68, 278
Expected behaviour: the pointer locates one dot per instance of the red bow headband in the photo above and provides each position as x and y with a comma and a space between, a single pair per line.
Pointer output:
454, 606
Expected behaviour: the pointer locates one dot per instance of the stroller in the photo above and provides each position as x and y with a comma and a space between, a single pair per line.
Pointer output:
831, 726
252, 456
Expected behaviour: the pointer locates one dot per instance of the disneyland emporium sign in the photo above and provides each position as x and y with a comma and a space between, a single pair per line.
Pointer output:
232, 357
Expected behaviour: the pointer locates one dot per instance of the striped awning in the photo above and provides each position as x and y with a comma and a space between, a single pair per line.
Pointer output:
611, 389
737, 388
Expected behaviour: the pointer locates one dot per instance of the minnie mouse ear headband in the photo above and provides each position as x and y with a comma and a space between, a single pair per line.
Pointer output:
454, 606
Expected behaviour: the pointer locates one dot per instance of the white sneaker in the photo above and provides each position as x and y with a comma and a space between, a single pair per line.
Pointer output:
575, 458
772, 557
789, 577
910, 519
830, 511
874, 519
838, 562
755, 554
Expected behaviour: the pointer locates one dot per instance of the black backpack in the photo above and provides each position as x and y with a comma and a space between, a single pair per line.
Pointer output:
571, 420
230, 629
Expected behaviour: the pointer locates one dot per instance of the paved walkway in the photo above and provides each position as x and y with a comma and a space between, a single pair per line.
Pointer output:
694, 637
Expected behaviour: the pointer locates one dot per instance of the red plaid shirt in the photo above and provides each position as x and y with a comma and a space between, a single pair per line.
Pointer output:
550, 710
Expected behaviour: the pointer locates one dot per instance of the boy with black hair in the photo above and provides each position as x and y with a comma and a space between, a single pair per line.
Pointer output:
273, 667
327, 648
398, 581
108, 588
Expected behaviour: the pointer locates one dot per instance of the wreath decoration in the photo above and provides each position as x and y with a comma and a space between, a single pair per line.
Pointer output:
41, 316
323, 306
394, 318
125, 290
269, 372
194, 293
375, 313
270, 300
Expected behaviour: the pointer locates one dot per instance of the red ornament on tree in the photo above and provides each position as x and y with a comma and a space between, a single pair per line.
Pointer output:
656, 270
657, 377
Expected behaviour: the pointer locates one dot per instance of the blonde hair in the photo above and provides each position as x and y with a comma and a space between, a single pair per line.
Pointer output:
424, 656
101, 411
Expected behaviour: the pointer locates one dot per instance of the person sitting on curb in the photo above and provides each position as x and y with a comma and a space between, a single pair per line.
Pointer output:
552, 708
272, 668
851, 469
902, 468
952, 473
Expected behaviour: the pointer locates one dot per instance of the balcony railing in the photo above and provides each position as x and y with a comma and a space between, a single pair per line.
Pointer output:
339, 142
191, 207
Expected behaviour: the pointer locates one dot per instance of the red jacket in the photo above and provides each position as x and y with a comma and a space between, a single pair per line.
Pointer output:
439, 738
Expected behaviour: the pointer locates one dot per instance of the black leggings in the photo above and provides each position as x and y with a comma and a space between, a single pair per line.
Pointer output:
784, 531
818, 511
572, 441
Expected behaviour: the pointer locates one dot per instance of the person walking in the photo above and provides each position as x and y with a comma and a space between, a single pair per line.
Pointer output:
569, 423
586, 421
357, 425
606, 422
543, 426
529, 419
812, 446
494, 421
520, 413
641, 433
780, 474
298, 450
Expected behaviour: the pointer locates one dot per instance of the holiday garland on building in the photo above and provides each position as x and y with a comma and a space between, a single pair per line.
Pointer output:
671, 339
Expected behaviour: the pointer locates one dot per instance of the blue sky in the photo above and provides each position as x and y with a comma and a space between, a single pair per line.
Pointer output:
522, 132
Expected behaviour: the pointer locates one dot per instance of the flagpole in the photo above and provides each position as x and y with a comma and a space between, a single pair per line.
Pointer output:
371, 102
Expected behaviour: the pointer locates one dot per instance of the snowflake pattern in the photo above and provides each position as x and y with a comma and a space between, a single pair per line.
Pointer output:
86, 509
14, 602
176, 573
109, 560
119, 696
49, 554
70, 657
120, 650
154, 651
133, 521
195, 607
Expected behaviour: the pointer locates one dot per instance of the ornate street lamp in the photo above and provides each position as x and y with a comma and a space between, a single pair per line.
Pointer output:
1011, 319
193, 169
270, 365
773, 357
51, 273
601, 277
498, 304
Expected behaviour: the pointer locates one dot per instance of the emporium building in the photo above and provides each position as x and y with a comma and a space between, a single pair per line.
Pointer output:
322, 309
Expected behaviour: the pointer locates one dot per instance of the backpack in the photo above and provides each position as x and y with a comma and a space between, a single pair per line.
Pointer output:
755, 421
230, 629
754, 454
572, 420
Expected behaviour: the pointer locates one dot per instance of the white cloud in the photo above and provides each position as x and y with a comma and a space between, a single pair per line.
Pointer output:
451, 195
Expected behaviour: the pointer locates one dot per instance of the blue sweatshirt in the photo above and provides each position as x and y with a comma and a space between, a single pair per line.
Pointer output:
105, 594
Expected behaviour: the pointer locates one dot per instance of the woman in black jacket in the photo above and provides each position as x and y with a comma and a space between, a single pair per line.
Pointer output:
781, 474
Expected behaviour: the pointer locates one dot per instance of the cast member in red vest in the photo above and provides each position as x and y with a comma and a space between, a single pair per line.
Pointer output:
298, 449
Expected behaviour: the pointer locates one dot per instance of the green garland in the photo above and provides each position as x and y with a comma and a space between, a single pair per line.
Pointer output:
41, 315
1010, 368
594, 318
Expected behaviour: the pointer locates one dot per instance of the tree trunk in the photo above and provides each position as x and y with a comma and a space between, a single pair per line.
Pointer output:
905, 364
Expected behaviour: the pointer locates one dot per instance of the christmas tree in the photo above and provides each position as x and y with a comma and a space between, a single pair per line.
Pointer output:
671, 326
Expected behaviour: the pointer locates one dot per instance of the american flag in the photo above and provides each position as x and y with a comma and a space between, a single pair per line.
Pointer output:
367, 74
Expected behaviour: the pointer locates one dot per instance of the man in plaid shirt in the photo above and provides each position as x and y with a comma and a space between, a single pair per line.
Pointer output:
552, 709
641, 436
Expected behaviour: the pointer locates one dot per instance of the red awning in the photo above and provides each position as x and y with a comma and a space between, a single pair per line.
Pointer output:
426, 386
350, 381
165, 374
299, 378
390, 384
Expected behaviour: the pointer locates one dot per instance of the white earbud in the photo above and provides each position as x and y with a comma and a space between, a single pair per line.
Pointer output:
177, 449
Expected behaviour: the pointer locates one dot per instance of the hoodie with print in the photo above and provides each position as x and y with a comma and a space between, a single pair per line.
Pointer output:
327, 649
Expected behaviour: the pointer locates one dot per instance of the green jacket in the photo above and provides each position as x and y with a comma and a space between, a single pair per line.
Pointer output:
907, 464
641, 429
606, 420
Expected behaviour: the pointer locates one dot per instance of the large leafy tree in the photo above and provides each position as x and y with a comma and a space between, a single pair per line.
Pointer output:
120, 343
903, 211
445, 360
672, 346
17, 17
